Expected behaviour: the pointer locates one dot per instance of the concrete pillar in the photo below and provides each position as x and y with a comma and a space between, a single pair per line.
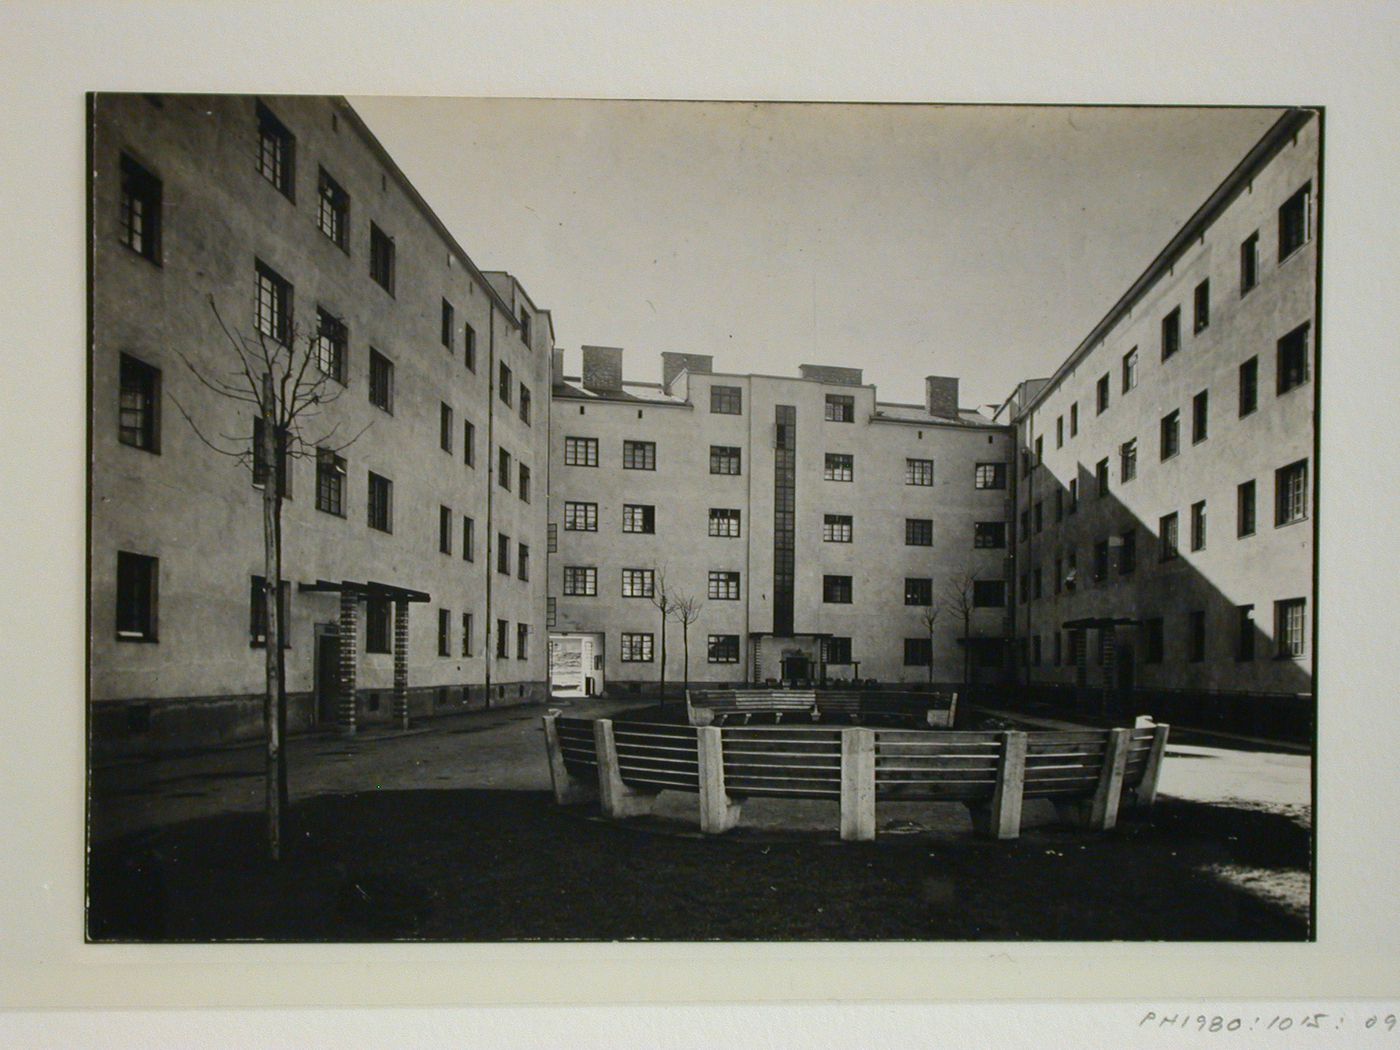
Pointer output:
1103, 815
568, 789
1147, 789
619, 800
349, 658
857, 785
1002, 819
718, 812
401, 662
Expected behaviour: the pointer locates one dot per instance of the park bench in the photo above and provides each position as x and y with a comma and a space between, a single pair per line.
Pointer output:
1090, 775
718, 706
900, 707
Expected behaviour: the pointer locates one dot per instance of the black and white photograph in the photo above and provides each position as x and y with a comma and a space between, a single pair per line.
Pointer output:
613, 520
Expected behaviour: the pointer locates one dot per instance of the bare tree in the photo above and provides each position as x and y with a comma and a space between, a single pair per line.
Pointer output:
282, 387
685, 609
928, 616
959, 599
665, 604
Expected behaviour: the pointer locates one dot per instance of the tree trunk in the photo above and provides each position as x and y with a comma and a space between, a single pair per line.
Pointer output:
685, 647
273, 634
283, 793
663, 658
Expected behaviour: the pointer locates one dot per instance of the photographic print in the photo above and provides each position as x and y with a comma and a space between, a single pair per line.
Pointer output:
555, 520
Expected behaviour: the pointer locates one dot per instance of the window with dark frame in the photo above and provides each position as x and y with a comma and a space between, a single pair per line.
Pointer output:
918, 472
1201, 307
469, 346
726, 400
722, 648
990, 476
446, 426
838, 466
444, 632
838, 650
523, 484
504, 382
580, 581
1245, 516
580, 517
378, 624
1196, 636
381, 503
445, 530
332, 340
1130, 369
1167, 537
276, 153
284, 459
724, 521
469, 443
1290, 626
272, 307
638, 583
1198, 525
1127, 460
1291, 493
333, 210
1073, 496
1101, 395
583, 452
989, 534
724, 459
1200, 417
1059, 431
918, 591
1171, 333
1101, 477
1293, 222
836, 590
836, 528
989, 594
1249, 386
522, 562
918, 532
381, 258
525, 328
449, 324
502, 554
638, 455
1171, 434
1249, 263
525, 404
723, 585
502, 639
468, 539
918, 652
1293, 359
138, 405
1074, 419
381, 381
330, 482
1244, 633
503, 468
137, 598
636, 647
1127, 553
466, 634
639, 517
840, 408
522, 641
140, 210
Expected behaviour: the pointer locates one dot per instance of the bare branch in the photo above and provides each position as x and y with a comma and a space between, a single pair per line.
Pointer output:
238, 454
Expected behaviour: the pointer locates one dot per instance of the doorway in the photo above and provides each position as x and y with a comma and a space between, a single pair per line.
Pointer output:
327, 676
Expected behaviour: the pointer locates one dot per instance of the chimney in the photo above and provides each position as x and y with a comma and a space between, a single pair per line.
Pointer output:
556, 366
673, 364
602, 369
941, 396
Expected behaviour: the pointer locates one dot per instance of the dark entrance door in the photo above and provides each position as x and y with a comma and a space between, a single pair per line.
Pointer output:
796, 669
327, 676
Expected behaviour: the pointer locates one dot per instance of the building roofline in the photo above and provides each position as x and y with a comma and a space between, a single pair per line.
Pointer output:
377, 147
1263, 151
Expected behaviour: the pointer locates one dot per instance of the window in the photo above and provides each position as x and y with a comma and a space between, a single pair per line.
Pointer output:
469, 346
724, 521
917, 652
989, 594
276, 152
445, 530
1244, 509
1171, 434
1101, 477
839, 466
1127, 460
503, 554
1130, 366
468, 443
1127, 553
381, 503
638, 583
1291, 493
468, 539
636, 647
1025, 588
138, 578
504, 382
639, 455
330, 482
1201, 304
918, 532
1289, 627
522, 641
1100, 561
272, 308
726, 400
1249, 386
333, 210
840, 408
381, 381
466, 634
381, 258
1059, 431
524, 404
284, 459
1198, 525
522, 562
838, 650
990, 476
918, 472
503, 468
449, 324
836, 590
836, 528
580, 452
1196, 636
502, 639
724, 585
525, 326
1249, 263
444, 631
1200, 417
140, 210
1025, 525
445, 427
377, 624
1039, 449
1293, 222
580, 517
1153, 630
1101, 395
990, 534
1293, 359
1073, 495
918, 591
524, 484
638, 517
1166, 537
138, 406
1171, 333
1074, 419
724, 459
723, 648
1244, 633
580, 581
1071, 570
331, 340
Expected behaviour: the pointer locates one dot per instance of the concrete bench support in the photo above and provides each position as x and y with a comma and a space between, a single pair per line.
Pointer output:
568, 789
857, 785
1001, 818
1147, 790
1101, 812
718, 812
618, 799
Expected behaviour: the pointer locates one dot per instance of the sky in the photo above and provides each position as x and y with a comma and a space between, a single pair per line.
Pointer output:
908, 240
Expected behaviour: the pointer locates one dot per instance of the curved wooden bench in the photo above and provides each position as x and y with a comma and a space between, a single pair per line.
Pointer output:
717, 706
909, 707
1088, 774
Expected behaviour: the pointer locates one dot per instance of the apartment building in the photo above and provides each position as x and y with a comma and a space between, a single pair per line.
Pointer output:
413, 564
812, 525
1166, 479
